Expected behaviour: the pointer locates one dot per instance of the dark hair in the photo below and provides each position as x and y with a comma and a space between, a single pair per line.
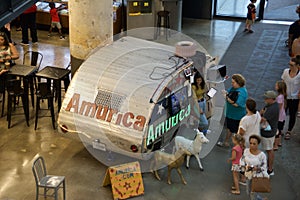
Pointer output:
202, 84
239, 79
51, 4
296, 60
255, 137
6, 41
251, 105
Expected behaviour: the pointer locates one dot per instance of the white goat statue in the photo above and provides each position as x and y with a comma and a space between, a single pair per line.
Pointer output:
192, 146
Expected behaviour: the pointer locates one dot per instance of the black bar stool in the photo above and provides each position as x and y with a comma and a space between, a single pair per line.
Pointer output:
2, 91
44, 92
166, 23
15, 90
33, 58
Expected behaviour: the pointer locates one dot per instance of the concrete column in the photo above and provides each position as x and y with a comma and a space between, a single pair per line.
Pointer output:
90, 26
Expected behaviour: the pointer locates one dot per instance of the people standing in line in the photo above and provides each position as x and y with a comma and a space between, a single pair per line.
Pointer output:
291, 77
294, 32
236, 97
55, 21
254, 164
236, 154
298, 113
28, 20
200, 89
8, 52
270, 115
296, 52
251, 14
296, 47
280, 87
250, 123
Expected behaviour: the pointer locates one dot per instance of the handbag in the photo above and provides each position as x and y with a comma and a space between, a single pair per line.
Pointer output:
261, 184
233, 95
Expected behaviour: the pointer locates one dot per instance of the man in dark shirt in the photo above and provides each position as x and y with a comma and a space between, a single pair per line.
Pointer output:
28, 20
294, 32
270, 114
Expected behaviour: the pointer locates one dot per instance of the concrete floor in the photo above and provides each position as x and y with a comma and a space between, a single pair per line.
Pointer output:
20, 145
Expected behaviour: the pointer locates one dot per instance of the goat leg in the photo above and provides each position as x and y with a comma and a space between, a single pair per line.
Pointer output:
181, 176
156, 175
188, 161
169, 175
199, 162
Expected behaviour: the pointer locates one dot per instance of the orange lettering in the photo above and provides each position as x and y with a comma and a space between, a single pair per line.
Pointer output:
119, 118
139, 125
125, 119
88, 106
101, 114
73, 103
110, 114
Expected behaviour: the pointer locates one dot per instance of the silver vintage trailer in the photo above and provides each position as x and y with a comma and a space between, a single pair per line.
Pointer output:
129, 97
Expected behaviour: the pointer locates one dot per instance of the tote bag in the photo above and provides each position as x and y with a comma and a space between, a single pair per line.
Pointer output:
261, 184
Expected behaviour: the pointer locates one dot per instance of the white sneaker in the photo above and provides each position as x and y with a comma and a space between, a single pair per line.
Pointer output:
271, 173
208, 131
24, 44
220, 144
242, 183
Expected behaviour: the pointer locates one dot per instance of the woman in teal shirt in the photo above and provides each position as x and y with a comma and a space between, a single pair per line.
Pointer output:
236, 97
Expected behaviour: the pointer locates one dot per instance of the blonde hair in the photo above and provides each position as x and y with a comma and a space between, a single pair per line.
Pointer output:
240, 139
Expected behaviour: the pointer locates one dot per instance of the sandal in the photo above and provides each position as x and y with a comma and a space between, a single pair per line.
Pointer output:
287, 136
233, 188
298, 114
235, 192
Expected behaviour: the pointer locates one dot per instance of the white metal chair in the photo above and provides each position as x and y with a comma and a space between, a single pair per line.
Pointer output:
47, 182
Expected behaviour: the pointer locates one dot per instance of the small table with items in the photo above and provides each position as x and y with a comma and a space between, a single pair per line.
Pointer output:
56, 74
26, 73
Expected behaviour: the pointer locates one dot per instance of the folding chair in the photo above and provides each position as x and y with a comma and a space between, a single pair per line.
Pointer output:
47, 182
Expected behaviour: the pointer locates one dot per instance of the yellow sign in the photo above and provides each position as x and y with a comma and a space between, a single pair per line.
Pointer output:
126, 180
